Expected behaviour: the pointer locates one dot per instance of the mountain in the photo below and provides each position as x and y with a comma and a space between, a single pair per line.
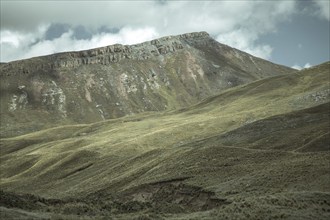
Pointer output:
259, 150
118, 80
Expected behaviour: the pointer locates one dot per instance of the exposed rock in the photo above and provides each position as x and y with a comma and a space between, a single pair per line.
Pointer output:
114, 53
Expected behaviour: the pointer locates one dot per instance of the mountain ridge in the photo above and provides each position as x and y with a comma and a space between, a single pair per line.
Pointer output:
115, 52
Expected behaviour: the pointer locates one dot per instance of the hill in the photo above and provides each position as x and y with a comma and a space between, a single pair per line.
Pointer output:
255, 151
118, 80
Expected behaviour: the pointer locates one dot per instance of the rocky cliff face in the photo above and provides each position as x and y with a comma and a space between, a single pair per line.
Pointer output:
110, 54
118, 80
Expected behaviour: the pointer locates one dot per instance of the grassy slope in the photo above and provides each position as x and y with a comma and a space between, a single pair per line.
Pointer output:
212, 144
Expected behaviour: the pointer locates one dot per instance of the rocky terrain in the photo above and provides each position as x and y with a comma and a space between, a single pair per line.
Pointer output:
110, 82
258, 148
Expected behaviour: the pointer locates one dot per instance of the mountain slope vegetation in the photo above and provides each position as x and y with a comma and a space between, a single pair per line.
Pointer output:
255, 151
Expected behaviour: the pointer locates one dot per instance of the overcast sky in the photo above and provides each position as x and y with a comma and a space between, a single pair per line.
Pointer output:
289, 32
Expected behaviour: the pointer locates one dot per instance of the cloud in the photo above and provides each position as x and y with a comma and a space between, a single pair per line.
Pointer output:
28, 15
323, 8
297, 67
257, 19
239, 24
245, 40
15, 45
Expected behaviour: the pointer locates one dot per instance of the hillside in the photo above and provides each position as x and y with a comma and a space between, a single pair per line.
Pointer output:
255, 151
118, 80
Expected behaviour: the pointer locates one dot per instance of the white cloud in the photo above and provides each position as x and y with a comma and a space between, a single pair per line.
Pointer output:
298, 67
323, 8
14, 44
245, 41
236, 23
307, 65
18, 46
259, 19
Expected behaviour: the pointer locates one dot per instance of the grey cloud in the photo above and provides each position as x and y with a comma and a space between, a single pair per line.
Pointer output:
56, 30
28, 15
316, 8
169, 17
87, 19
81, 33
323, 8
105, 29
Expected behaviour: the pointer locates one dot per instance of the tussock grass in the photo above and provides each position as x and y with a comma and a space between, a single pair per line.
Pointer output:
263, 146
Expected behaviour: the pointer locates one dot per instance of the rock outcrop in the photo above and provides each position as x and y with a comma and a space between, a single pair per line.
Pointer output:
110, 54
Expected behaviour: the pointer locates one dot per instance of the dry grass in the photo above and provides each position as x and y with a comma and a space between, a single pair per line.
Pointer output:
198, 144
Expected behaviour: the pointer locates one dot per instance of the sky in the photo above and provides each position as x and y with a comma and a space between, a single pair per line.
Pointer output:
294, 33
